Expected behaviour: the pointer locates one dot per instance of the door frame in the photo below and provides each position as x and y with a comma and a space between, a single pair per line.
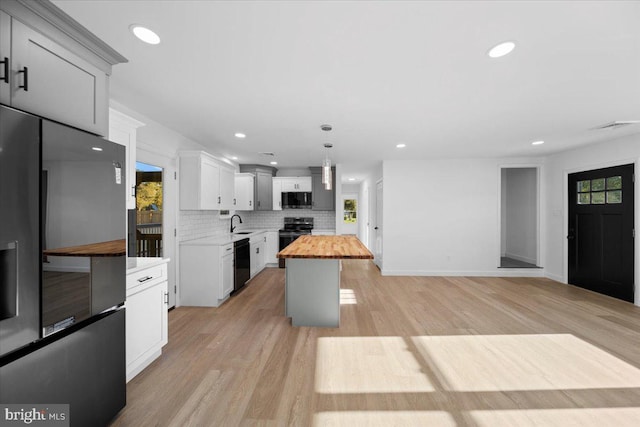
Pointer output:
378, 260
636, 213
145, 154
540, 208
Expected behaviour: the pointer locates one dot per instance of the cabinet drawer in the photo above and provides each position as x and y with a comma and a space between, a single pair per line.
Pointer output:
144, 278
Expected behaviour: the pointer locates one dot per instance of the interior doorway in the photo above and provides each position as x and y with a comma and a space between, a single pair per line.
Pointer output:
601, 231
519, 217
149, 210
378, 226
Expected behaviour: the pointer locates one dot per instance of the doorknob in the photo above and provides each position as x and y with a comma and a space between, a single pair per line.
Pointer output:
375, 228
571, 235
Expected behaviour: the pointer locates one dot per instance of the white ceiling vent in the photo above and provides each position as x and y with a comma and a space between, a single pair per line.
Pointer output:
267, 153
617, 124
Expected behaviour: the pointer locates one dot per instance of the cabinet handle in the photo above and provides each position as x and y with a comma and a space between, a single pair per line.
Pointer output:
250, 201
25, 84
6, 69
257, 250
228, 249
258, 203
234, 202
219, 200
144, 279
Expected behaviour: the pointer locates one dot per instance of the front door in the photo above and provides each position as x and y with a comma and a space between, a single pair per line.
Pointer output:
601, 231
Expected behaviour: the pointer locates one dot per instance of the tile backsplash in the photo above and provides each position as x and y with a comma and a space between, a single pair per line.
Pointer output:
199, 224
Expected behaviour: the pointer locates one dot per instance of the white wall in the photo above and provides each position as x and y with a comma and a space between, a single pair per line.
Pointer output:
521, 220
611, 153
441, 217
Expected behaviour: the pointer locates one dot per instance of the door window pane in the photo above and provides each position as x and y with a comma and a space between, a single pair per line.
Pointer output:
350, 211
584, 186
597, 198
614, 183
597, 185
584, 198
614, 196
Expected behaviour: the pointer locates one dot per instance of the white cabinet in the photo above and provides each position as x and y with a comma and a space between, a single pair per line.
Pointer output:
277, 193
257, 253
206, 273
5, 55
122, 130
146, 314
320, 232
296, 183
244, 183
57, 69
271, 249
205, 183
227, 272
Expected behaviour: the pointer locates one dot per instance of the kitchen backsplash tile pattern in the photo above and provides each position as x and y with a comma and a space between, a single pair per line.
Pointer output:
200, 224
323, 220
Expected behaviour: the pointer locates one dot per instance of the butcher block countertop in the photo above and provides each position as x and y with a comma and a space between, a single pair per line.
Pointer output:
103, 249
326, 247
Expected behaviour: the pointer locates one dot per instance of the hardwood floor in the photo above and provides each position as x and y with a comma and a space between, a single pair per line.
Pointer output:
439, 351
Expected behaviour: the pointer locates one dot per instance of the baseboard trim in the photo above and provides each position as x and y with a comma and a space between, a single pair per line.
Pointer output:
504, 272
555, 277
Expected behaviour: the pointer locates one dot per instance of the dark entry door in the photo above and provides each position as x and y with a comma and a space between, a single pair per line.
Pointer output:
601, 231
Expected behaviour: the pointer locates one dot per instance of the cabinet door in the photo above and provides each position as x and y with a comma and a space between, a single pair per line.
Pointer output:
5, 57
304, 183
59, 84
253, 259
227, 184
261, 259
227, 275
277, 194
243, 192
323, 200
264, 191
209, 184
271, 249
146, 324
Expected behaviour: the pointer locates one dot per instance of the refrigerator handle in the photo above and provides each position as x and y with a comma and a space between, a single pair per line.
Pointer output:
9, 280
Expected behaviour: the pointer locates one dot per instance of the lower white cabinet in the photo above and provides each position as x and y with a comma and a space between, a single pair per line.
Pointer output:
257, 251
146, 313
271, 249
206, 273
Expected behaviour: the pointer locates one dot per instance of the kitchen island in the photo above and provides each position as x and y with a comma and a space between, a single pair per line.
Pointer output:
312, 278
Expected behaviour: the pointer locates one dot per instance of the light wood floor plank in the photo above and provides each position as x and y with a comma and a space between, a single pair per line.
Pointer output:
459, 351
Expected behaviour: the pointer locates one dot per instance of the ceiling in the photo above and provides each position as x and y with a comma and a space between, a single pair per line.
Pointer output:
381, 73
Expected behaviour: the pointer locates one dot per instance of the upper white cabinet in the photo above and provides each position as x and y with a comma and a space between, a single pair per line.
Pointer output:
296, 183
57, 69
122, 130
263, 187
205, 183
243, 200
277, 193
5, 55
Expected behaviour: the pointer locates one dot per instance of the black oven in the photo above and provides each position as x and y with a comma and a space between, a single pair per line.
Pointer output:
293, 228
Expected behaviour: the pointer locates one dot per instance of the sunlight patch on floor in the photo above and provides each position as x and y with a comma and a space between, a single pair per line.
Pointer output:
347, 297
582, 417
523, 362
383, 418
368, 365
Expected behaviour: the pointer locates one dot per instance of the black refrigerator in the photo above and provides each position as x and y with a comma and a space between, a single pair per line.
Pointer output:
62, 321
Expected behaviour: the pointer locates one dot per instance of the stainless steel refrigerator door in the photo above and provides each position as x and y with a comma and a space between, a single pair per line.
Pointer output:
19, 229
84, 204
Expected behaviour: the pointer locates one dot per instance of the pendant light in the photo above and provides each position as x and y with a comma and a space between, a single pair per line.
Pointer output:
327, 178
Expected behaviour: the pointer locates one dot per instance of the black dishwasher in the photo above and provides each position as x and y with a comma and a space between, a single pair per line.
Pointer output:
242, 264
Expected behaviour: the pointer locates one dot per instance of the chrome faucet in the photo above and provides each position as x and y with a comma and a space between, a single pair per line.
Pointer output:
233, 216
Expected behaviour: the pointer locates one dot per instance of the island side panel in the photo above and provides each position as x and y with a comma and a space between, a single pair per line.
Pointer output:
313, 292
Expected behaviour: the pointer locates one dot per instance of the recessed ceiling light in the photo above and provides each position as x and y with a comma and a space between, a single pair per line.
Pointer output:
234, 158
144, 34
401, 145
352, 179
96, 148
240, 135
501, 49
273, 163
537, 143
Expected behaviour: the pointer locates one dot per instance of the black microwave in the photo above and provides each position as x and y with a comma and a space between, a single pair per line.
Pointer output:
296, 200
